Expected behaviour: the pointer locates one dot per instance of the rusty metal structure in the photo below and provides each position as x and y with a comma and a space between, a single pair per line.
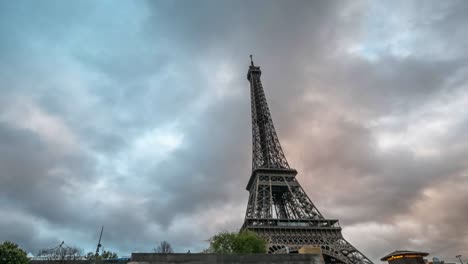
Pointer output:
278, 208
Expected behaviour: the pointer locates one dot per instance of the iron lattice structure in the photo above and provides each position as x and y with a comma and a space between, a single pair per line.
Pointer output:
278, 208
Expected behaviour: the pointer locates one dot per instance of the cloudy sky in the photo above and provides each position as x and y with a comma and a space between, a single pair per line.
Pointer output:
136, 115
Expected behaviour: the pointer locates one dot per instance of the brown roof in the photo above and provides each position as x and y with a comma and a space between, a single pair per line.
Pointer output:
403, 252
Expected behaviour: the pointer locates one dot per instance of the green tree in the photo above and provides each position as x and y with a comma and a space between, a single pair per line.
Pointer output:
222, 243
243, 242
89, 256
249, 242
108, 255
104, 255
10, 253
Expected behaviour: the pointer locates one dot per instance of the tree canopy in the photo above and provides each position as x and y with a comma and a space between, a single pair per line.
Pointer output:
104, 255
164, 247
11, 253
243, 242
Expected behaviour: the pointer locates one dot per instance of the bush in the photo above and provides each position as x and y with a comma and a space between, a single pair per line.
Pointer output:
249, 242
243, 242
10, 253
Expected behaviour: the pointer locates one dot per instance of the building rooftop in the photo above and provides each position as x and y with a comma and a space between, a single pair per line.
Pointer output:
403, 253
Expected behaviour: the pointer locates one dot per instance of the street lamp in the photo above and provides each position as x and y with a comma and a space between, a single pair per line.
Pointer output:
459, 257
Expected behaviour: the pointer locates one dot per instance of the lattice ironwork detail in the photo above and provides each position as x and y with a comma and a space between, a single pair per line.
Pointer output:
278, 208
331, 243
279, 197
267, 151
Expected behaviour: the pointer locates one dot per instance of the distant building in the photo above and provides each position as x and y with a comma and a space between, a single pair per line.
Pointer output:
405, 257
436, 260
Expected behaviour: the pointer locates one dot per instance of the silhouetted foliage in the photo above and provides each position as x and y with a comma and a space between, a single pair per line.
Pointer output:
109, 255
163, 247
105, 255
243, 242
11, 253
61, 254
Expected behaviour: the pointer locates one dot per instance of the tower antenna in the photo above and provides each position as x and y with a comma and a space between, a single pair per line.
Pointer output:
251, 60
99, 244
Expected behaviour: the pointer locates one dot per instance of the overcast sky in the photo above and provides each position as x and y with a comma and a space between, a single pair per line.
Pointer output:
136, 115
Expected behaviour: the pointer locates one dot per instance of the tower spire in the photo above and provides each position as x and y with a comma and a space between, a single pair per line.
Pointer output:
267, 151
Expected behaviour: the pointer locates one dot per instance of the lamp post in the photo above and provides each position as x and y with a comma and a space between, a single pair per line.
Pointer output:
459, 257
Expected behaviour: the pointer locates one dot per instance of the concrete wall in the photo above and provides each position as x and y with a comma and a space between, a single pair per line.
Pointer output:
77, 262
153, 258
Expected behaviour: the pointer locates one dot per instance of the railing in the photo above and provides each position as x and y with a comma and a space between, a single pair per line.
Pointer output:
293, 223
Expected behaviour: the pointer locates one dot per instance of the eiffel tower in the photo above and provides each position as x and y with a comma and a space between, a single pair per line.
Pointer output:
278, 208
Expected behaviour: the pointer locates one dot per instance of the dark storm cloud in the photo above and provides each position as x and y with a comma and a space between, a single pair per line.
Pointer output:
136, 115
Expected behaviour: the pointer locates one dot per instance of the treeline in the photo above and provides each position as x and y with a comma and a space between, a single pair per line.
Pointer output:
222, 243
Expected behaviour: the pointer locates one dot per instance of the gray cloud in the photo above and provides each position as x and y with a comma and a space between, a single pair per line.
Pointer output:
136, 116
